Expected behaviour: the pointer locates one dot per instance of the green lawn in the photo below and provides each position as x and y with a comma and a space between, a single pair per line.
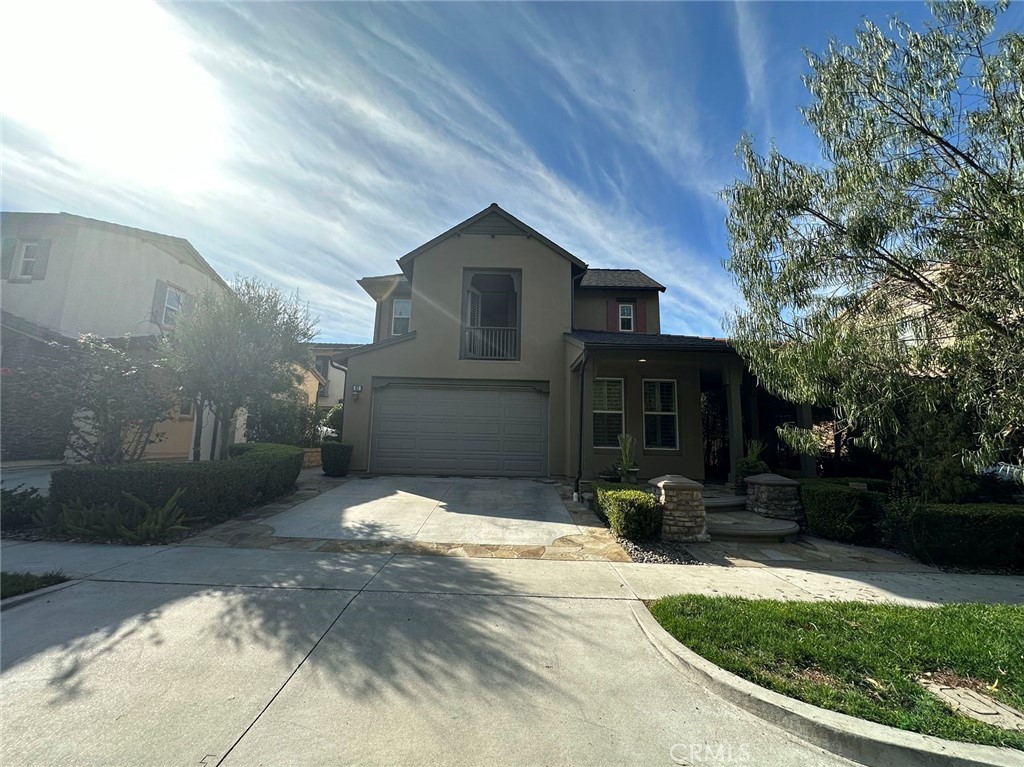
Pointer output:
863, 659
12, 584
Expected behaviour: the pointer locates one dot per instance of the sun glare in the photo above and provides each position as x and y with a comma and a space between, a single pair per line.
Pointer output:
111, 85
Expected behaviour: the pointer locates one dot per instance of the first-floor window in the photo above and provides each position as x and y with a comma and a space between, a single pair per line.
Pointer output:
660, 415
401, 310
608, 412
173, 304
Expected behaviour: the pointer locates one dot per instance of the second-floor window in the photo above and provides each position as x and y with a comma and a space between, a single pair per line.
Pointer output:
322, 365
29, 252
626, 317
173, 304
401, 311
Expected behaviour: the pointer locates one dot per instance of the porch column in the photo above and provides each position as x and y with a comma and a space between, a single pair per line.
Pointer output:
734, 381
804, 420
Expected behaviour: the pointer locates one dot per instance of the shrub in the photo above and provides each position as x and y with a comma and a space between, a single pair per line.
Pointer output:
632, 513
874, 485
335, 457
970, 535
18, 505
335, 418
214, 490
750, 464
841, 513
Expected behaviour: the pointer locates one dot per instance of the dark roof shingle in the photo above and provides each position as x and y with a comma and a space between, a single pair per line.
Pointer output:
619, 278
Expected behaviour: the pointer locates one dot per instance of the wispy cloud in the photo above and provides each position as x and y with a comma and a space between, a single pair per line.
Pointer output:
351, 140
753, 51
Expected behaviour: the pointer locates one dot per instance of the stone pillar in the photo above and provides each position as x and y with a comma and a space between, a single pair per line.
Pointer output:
682, 506
775, 496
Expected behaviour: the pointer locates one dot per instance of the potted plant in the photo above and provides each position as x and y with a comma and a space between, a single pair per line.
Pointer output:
749, 465
628, 470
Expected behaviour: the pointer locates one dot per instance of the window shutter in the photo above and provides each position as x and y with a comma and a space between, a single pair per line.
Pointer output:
10, 244
613, 315
159, 301
641, 316
42, 259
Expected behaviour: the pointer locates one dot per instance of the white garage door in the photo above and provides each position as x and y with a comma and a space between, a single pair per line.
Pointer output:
469, 429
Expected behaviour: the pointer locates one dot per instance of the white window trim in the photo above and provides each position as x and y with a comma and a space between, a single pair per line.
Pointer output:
167, 293
675, 414
631, 316
621, 413
19, 261
394, 305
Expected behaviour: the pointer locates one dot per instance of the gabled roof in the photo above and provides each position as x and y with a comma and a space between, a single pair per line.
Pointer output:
606, 339
491, 220
619, 278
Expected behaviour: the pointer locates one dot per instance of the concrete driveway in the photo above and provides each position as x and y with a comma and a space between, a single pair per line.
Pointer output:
249, 657
431, 509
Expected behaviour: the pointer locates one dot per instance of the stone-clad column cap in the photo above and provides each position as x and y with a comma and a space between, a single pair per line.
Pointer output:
771, 479
676, 481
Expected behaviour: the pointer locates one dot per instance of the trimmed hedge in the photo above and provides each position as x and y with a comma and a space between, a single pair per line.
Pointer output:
840, 513
988, 535
632, 513
214, 490
335, 457
873, 485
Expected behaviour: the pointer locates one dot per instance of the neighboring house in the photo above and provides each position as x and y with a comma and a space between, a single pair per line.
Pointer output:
498, 352
331, 390
65, 275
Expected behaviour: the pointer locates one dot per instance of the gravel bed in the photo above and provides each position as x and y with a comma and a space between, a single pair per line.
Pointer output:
658, 552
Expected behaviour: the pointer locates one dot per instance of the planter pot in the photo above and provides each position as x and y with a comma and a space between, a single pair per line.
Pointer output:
335, 457
630, 475
609, 477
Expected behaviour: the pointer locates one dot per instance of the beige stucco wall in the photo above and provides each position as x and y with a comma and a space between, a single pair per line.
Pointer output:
684, 369
436, 312
98, 280
592, 307
177, 440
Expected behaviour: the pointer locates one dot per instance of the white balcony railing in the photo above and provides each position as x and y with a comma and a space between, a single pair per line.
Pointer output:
491, 343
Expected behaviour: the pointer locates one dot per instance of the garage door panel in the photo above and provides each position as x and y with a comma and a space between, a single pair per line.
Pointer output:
463, 429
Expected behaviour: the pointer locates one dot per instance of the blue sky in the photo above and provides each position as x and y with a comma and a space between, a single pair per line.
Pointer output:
314, 144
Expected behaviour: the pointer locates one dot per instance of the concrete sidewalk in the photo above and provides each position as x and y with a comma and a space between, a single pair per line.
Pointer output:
457, 575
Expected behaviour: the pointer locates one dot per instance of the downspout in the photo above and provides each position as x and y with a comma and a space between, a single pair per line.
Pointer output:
579, 458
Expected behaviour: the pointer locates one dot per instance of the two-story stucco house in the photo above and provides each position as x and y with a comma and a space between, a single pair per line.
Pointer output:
65, 275
498, 352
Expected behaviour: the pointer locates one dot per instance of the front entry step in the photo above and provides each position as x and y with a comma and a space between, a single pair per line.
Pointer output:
717, 503
747, 526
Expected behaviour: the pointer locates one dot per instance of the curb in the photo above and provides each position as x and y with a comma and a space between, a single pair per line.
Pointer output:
841, 734
21, 599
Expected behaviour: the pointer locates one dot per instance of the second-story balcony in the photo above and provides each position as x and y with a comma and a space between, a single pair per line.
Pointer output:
491, 343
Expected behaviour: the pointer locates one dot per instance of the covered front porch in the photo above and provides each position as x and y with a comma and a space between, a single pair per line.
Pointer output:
681, 397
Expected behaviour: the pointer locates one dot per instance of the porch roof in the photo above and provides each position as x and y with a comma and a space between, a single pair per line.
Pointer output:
603, 339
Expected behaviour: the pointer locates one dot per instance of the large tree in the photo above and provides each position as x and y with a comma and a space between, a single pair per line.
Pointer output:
231, 348
893, 270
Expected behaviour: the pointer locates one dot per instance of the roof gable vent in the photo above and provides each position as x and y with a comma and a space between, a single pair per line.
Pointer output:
492, 224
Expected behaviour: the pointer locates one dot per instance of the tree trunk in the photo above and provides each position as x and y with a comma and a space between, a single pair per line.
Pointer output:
225, 432
197, 436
